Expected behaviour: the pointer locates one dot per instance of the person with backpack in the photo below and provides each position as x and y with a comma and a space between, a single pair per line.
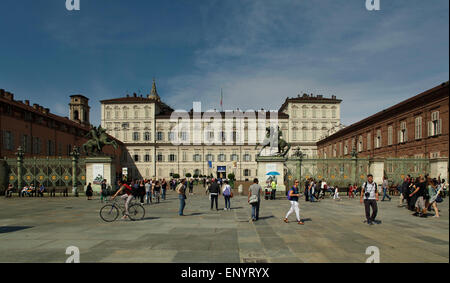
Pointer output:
227, 195
369, 194
293, 195
181, 190
214, 191
129, 194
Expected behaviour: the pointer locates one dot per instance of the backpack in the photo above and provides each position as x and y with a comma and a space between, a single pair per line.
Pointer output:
227, 190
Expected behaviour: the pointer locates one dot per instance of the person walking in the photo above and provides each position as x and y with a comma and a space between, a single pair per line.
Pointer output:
369, 194
181, 190
148, 191
103, 191
214, 191
89, 191
385, 188
227, 194
156, 191
434, 190
191, 186
336, 193
420, 191
163, 189
404, 195
254, 198
293, 195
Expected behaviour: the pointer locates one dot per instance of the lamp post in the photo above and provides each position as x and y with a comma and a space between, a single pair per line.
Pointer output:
19, 154
75, 154
299, 154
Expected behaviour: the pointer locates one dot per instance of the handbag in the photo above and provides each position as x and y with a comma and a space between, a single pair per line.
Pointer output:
253, 199
231, 194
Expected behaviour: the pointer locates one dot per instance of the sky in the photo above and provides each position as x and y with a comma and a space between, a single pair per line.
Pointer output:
257, 51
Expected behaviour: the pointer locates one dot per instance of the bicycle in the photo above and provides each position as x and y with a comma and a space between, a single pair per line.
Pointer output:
110, 212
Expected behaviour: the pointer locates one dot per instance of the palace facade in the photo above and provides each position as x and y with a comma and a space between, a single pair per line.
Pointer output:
143, 124
415, 128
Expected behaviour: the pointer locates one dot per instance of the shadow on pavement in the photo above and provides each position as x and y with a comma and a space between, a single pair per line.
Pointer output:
9, 229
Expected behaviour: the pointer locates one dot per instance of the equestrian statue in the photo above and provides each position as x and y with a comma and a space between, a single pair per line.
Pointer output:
98, 139
270, 139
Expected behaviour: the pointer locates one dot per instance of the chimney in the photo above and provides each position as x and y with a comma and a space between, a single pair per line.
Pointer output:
36, 106
319, 96
27, 102
134, 94
46, 111
333, 97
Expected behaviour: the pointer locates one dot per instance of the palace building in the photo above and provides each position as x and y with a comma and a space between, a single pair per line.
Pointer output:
41, 133
414, 128
143, 124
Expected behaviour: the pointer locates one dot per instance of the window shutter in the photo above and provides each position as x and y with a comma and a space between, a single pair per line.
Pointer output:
406, 135
429, 128
439, 127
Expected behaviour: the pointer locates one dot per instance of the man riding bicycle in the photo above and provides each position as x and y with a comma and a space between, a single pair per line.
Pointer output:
127, 197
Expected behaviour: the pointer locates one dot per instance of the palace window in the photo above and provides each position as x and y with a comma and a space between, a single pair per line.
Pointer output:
197, 157
172, 158
434, 126
247, 172
378, 139
136, 136
147, 136
369, 141
234, 157
247, 157
160, 157
159, 136
390, 135
360, 144
136, 158
8, 140
147, 158
418, 128
209, 157
403, 133
222, 157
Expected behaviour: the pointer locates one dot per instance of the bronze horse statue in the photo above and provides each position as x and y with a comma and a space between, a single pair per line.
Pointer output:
98, 140
283, 146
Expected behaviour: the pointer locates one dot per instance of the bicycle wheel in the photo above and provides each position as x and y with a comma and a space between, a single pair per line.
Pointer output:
109, 213
136, 212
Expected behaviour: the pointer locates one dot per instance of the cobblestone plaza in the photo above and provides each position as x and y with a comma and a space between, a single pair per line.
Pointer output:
40, 230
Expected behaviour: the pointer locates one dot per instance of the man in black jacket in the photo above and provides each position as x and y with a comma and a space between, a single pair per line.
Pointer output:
214, 191
404, 194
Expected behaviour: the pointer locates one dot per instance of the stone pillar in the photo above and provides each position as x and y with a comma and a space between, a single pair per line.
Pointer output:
75, 155
100, 165
271, 163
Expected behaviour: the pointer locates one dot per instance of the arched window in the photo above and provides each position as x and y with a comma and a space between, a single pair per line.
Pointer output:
76, 115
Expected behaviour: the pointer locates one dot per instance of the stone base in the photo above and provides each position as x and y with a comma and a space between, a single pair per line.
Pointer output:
103, 165
268, 164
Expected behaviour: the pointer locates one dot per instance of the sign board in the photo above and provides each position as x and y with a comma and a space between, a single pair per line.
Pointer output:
221, 168
97, 173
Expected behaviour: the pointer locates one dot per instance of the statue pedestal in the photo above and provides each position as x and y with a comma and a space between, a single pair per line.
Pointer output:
99, 168
268, 164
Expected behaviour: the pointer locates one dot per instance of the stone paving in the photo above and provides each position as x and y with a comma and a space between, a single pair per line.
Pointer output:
40, 230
